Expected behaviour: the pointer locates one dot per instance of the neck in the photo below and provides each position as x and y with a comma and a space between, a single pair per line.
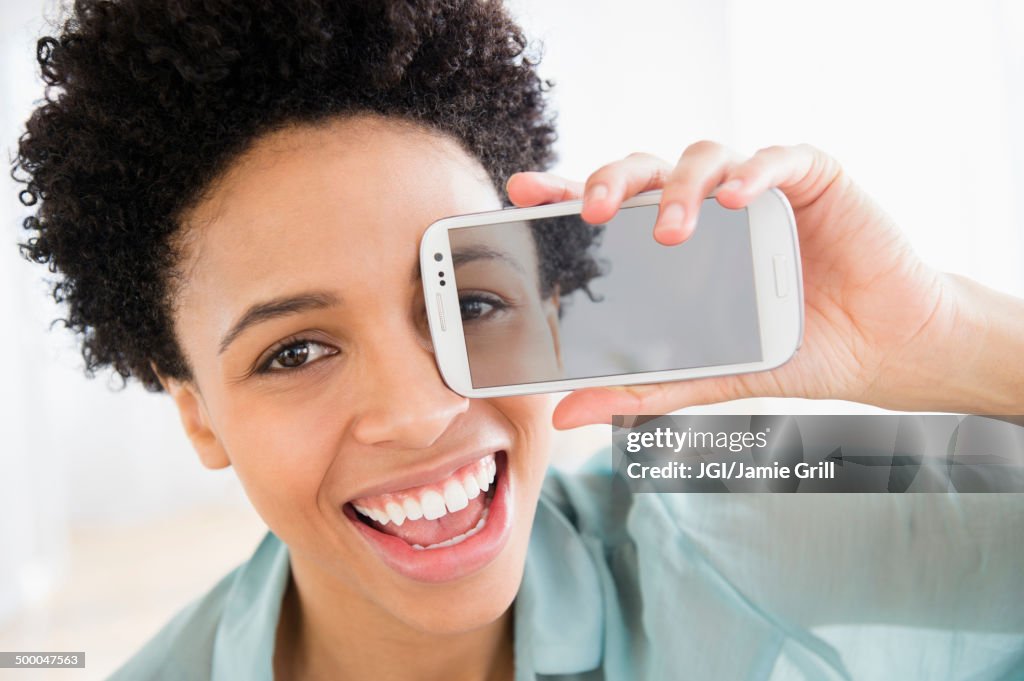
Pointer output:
326, 634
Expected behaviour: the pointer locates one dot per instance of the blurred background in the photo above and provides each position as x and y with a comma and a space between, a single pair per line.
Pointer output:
108, 523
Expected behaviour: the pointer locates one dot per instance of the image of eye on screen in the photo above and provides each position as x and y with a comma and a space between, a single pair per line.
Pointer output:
550, 299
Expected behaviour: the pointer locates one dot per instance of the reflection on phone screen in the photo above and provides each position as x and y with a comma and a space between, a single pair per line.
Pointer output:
535, 307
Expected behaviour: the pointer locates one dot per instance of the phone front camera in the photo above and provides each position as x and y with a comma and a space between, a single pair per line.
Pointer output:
438, 257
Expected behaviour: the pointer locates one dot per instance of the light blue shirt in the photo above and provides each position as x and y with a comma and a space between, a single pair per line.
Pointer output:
702, 586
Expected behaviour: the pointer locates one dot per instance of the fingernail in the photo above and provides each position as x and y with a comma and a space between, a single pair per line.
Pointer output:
596, 193
670, 219
731, 186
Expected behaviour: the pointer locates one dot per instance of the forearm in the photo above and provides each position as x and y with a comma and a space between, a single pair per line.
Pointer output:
970, 358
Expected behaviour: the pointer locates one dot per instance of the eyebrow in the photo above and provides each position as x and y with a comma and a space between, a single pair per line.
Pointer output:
278, 307
461, 256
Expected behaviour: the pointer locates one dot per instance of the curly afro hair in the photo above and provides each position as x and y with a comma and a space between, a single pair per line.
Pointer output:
148, 101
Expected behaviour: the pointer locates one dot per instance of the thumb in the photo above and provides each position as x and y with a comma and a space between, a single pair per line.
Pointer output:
598, 405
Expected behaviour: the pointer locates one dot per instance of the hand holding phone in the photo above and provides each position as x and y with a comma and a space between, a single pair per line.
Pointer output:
508, 316
880, 325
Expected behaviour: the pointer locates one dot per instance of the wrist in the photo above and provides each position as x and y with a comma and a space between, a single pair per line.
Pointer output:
970, 356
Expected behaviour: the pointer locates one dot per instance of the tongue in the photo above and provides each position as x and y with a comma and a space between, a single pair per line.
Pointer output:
426, 532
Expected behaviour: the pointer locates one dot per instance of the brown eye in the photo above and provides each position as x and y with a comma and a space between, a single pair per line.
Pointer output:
474, 307
293, 356
296, 355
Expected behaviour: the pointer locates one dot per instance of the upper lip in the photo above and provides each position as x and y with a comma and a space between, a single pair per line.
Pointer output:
436, 472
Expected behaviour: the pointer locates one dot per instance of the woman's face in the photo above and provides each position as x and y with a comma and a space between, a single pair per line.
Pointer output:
301, 314
511, 332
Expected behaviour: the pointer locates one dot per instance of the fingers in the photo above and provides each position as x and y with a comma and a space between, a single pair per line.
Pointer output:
604, 191
534, 189
702, 167
803, 172
612, 184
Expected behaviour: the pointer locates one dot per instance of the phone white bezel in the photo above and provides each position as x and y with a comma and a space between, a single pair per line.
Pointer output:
772, 236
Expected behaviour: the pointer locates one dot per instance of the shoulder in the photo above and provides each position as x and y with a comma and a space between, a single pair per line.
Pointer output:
244, 601
183, 648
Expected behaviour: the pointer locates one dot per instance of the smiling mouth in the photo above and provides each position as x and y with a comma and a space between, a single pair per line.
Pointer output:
438, 515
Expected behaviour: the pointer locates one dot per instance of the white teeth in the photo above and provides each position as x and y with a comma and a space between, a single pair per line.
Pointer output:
470, 485
458, 539
373, 514
482, 479
433, 505
455, 496
412, 508
396, 513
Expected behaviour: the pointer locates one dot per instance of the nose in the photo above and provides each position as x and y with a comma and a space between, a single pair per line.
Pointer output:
406, 404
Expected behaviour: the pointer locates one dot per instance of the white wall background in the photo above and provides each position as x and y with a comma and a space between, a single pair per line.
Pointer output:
74, 453
917, 99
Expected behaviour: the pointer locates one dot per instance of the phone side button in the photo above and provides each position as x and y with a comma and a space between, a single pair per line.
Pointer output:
781, 280
440, 312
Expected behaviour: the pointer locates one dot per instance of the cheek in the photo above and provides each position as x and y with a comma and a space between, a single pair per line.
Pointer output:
281, 449
533, 341
531, 416
519, 351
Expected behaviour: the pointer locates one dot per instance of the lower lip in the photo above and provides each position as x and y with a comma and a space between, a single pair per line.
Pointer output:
448, 562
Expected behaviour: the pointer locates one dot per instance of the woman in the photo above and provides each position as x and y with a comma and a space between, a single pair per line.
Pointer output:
233, 194
513, 288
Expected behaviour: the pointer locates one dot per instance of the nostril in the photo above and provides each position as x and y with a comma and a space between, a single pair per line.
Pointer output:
415, 417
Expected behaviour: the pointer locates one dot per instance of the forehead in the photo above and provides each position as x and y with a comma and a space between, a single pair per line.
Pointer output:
508, 244
308, 204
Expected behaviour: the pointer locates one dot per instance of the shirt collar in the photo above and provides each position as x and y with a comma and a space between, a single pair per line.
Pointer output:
244, 643
558, 611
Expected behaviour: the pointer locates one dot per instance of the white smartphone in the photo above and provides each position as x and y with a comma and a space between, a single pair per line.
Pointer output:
529, 300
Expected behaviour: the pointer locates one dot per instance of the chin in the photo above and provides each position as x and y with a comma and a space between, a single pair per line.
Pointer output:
477, 599
458, 608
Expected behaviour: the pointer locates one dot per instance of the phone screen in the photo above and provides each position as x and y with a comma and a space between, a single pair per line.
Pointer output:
541, 300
